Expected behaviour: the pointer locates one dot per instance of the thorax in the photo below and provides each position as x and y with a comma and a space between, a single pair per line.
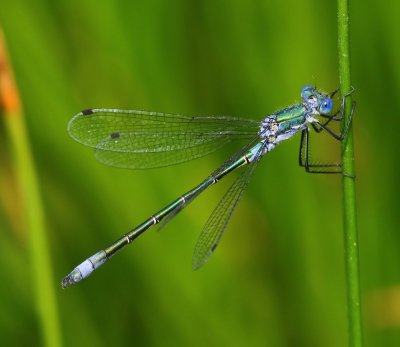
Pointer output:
283, 124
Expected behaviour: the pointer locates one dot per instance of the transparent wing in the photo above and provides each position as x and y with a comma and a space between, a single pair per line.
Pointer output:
139, 139
216, 224
232, 159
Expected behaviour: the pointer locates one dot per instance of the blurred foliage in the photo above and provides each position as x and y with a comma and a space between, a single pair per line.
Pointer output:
277, 278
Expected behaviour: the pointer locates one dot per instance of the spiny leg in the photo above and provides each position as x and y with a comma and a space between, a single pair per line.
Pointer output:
343, 134
304, 152
304, 158
331, 118
334, 117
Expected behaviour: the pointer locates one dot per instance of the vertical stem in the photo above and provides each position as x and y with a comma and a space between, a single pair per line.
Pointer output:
41, 271
349, 201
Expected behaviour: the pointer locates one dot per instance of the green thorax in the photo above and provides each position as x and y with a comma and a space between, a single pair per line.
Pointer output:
291, 118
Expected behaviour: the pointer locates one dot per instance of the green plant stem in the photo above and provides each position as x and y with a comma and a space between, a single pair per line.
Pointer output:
41, 281
348, 184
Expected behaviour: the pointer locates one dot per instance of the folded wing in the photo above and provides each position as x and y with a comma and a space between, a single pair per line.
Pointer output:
139, 139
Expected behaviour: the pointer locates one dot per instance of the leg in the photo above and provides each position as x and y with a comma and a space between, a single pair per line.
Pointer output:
330, 118
318, 126
347, 127
304, 156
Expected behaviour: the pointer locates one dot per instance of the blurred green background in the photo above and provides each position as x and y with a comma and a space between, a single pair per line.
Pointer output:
277, 278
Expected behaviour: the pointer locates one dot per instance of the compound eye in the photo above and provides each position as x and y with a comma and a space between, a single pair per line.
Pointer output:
326, 106
307, 92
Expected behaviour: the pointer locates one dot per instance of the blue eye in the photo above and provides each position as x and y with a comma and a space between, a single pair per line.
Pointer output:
326, 106
307, 91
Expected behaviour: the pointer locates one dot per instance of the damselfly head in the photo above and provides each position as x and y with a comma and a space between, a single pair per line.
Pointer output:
315, 101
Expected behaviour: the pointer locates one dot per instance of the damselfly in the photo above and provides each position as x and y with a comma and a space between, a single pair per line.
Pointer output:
138, 139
